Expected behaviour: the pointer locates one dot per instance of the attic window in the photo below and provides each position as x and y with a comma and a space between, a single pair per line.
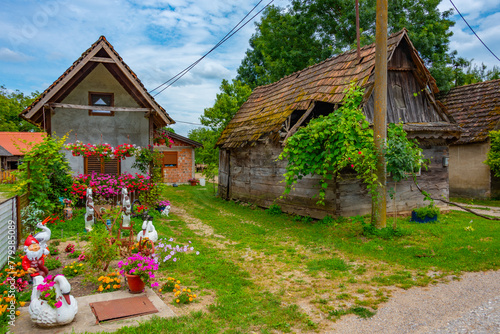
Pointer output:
101, 100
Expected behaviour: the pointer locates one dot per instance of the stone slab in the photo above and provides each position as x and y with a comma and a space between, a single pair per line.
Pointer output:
85, 320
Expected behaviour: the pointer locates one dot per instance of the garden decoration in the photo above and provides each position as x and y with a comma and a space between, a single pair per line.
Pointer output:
194, 181
33, 262
126, 207
89, 213
163, 207
51, 304
148, 230
44, 236
138, 269
68, 210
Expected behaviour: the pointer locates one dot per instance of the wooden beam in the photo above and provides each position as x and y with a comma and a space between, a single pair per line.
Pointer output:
300, 121
102, 60
103, 108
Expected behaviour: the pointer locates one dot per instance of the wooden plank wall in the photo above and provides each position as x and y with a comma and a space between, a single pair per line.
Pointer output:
224, 173
256, 177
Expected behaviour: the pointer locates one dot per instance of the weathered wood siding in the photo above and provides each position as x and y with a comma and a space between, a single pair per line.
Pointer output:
402, 86
256, 176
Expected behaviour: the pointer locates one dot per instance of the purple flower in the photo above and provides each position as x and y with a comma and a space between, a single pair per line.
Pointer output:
197, 253
154, 284
175, 259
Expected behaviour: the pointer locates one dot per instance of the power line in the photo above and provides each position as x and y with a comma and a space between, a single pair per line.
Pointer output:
230, 34
474, 31
189, 123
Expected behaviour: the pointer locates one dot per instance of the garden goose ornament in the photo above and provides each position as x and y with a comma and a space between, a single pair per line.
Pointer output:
148, 230
43, 314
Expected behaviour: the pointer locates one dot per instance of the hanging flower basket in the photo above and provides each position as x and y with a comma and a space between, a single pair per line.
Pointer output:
103, 150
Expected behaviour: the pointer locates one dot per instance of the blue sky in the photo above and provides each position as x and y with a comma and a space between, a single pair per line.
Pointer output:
157, 39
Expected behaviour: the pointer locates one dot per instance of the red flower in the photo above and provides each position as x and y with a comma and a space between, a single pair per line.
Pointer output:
352, 166
359, 152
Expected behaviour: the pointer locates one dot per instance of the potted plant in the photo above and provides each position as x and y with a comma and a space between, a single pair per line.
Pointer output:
161, 137
194, 181
425, 214
162, 205
139, 271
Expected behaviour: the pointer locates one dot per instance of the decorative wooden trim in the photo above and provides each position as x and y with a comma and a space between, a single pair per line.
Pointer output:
85, 107
102, 60
104, 108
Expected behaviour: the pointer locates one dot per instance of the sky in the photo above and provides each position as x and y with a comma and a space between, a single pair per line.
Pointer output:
159, 38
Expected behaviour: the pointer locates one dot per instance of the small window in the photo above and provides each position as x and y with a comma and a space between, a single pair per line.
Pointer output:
101, 100
398, 96
100, 165
170, 159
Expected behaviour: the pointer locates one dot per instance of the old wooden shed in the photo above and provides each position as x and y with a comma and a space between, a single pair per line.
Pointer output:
476, 109
252, 141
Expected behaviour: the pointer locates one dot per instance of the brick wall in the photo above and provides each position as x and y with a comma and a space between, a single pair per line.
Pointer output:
185, 163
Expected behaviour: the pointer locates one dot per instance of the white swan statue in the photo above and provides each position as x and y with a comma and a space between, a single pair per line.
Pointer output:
126, 207
43, 314
89, 214
148, 231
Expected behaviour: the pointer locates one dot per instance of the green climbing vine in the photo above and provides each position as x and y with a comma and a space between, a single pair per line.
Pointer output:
344, 139
494, 154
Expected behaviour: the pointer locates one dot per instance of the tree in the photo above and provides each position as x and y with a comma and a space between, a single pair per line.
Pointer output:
227, 103
283, 43
288, 40
11, 105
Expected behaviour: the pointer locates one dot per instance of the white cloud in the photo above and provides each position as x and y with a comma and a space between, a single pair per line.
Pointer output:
8, 55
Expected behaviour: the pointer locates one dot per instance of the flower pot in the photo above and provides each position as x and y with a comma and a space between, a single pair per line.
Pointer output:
135, 283
193, 183
415, 218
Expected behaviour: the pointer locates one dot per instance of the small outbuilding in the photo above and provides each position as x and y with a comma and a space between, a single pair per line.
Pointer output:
13, 146
254, 138
476, 109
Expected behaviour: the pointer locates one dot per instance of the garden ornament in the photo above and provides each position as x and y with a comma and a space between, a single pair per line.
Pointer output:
126, 207
166, 211
148, 230
33, 262
89, 214
44, 236
45, 315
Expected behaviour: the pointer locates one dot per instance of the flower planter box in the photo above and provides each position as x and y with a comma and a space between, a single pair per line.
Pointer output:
415, 218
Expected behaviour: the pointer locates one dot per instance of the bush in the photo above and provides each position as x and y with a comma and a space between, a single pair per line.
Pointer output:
427, 211
274, 210
98, 252
52, 263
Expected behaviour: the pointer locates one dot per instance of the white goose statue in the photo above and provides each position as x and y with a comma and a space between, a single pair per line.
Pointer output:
44, 236
148, 231
43, 314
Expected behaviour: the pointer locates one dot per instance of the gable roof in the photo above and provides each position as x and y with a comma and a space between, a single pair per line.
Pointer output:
186, 140
269, 106
476, 109
4, 152
100, 52
16, 142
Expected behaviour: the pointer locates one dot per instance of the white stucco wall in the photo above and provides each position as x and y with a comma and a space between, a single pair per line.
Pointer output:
123, 127
469, 176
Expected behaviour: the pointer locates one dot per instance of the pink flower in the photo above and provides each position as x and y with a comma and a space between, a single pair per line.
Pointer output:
58, 304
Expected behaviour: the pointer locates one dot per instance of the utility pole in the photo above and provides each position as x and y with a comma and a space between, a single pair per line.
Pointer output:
357, 31
380, 114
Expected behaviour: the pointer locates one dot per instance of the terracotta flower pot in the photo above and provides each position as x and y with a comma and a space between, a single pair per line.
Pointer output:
135, 283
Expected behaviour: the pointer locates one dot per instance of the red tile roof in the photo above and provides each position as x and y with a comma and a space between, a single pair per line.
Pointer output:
17, 142
476, 109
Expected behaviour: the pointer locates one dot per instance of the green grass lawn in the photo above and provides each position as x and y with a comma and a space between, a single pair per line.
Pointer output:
268, 273
487, 202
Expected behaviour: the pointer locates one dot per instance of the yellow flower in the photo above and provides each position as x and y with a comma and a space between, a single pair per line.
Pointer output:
194, 296
22, 304
71, 267
75, 271
118, 280
100, 288
107, 286
100, 278
18, 312
160, 290
190, 299
183, 290
189, 290
177, 301
19, 263
174, 290
178, 282
81, 264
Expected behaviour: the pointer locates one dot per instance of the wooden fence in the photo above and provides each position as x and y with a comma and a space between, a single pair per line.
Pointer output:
6, 176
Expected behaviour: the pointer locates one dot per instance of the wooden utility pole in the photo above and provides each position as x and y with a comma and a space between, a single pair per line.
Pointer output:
380, 114
357, 31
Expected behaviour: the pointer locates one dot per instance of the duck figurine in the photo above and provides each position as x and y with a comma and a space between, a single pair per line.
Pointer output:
45, 315
148, 231
44, 236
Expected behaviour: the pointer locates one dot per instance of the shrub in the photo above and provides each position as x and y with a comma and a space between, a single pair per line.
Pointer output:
98, 252
427, 211
274, 210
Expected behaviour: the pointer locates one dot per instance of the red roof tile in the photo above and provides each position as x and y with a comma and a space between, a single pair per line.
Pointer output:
16, 142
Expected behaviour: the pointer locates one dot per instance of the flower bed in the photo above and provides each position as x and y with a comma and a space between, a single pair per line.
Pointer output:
103, 150
107, 186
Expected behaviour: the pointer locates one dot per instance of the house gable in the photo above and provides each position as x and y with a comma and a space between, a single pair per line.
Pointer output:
100, 53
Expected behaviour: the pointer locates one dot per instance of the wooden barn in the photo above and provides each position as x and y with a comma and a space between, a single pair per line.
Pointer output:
252, 141
476, 109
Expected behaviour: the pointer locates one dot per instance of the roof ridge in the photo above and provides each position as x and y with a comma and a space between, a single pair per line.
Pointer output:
345, 53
